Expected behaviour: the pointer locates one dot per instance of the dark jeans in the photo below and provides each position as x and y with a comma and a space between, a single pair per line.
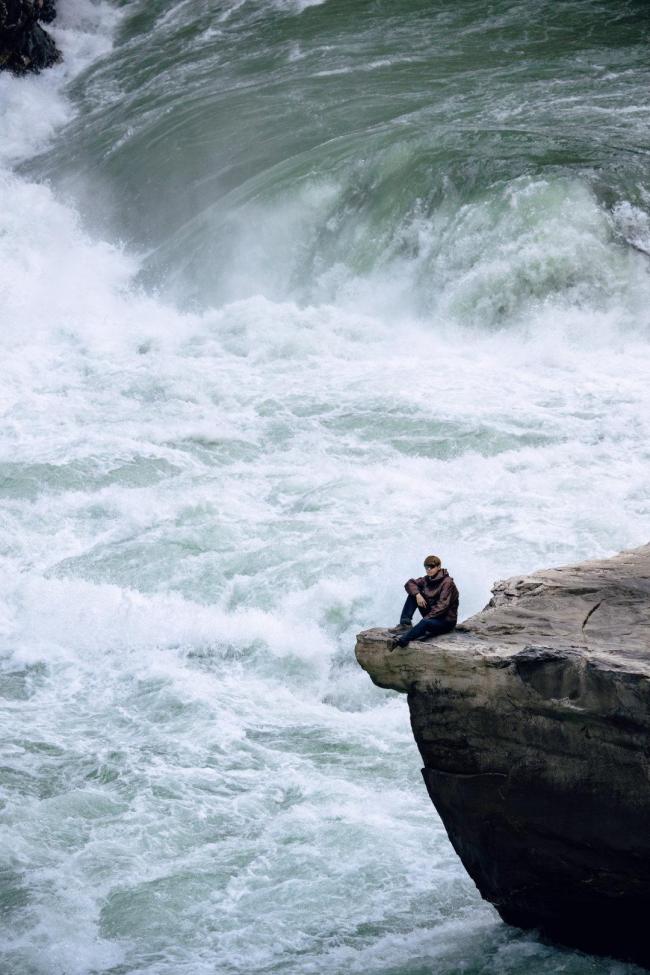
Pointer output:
423, 629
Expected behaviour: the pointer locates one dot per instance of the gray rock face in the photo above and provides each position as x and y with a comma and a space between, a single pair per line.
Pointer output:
24, 45
533, 722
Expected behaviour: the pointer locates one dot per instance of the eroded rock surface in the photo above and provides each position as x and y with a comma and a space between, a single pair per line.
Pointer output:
24, 45
533, 722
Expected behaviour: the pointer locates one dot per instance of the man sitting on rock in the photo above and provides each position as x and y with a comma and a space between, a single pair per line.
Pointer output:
436, 596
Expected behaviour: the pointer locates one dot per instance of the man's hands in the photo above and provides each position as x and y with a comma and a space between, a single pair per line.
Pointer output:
421, 601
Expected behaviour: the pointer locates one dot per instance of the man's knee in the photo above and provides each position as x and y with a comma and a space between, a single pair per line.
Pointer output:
436, 627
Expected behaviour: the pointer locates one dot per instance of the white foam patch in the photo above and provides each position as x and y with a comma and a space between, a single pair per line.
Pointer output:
297, 5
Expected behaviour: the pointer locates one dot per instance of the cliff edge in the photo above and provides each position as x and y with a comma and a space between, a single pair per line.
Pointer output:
533, 719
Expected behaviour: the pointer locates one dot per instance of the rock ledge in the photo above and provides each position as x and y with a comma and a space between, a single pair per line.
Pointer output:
533, 723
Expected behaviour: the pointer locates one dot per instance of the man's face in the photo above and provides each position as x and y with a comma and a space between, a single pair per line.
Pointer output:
432, 570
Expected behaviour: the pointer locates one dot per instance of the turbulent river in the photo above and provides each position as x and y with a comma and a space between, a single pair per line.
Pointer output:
293, 293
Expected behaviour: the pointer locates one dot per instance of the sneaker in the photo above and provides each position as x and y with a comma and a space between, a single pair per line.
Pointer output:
394, 643
400, 628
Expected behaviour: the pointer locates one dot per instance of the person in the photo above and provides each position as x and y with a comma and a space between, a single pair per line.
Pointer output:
436, 596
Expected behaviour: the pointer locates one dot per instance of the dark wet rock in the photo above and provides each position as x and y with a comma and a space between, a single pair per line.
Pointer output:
24, 45
47, 10
533, 722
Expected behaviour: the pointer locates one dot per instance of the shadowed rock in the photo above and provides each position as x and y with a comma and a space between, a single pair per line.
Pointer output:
533, 722
24, 45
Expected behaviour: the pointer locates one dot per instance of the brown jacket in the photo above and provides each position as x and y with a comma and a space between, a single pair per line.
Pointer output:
441, 596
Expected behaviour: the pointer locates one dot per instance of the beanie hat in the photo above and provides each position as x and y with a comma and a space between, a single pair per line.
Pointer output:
433, 561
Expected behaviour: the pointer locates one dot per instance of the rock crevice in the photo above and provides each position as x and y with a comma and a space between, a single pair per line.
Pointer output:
533, 723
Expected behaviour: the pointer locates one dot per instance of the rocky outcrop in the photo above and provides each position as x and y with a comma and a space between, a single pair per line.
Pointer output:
24, 45
533, 722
